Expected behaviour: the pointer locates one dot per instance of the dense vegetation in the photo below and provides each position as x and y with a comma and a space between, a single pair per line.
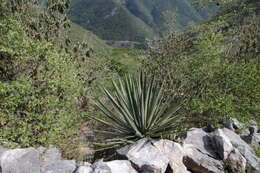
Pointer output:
51, 69
135, 20
215, 64
46, 79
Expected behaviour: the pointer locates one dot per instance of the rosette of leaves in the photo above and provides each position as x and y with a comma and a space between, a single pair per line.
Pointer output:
135, 108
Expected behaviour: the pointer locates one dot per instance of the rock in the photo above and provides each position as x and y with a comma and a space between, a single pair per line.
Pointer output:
223, 145
41, 149
234, 124
228, 123
60, 166
247, 152
20, 161
121, 166
252, 137
84, 169
235, 162
200, 155
174, 153
237, 124
2, 150
100, 167
202, 141
50, 156
145, 156
252, 127
256, 139
252, 140
232, 157
200, 162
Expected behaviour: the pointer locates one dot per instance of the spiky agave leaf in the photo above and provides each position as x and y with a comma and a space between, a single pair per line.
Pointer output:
137, 110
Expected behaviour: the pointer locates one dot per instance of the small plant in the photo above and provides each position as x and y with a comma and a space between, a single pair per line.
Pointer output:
257, 151
138, 110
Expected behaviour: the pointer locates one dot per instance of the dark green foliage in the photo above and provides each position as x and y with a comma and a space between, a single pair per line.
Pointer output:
79, 34
257, 150
37, 92
134, 20
124, 60
137, 110
216, 64
46, 80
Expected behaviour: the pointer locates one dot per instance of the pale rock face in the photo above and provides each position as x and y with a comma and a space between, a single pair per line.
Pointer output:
196, 161
123, 166
200, 155
84, 169
146, 156
100, 167
202, 141
222, 144
60, 166
227, 152
50, 156
236, 161
20, 161
174, 153
2, 150
246, 151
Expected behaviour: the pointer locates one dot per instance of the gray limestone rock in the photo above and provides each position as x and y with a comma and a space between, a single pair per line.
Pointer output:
20, 161
60, 166
50, 156
174, 153
247, 152
123, 166
200, 155
145, 156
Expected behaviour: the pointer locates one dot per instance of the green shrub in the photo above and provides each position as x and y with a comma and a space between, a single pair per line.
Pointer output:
257, 150
216, 64
138, 110
39, 89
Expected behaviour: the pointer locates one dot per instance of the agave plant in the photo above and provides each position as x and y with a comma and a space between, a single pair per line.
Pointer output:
136, 109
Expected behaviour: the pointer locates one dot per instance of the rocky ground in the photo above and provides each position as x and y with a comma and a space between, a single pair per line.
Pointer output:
202, 150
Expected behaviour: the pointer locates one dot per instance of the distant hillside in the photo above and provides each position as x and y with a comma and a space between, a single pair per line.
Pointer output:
134, 20
79, 34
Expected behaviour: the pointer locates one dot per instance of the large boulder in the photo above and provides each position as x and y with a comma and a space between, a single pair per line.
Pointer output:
121, 166
2, 150
174, 153
85, 169
145, 156
247, 152
232, 157
20, 161
100, 167
200, 155
235, 162
251, 136
253, 139
222, 145
60, 166
49, 156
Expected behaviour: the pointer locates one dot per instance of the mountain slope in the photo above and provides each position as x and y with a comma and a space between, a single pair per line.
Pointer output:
110, 20
134, 20
79, 34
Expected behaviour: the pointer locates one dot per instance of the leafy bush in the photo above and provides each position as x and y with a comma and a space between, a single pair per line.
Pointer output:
215, 63
138, 110
46, 80
257, 150
38, 89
